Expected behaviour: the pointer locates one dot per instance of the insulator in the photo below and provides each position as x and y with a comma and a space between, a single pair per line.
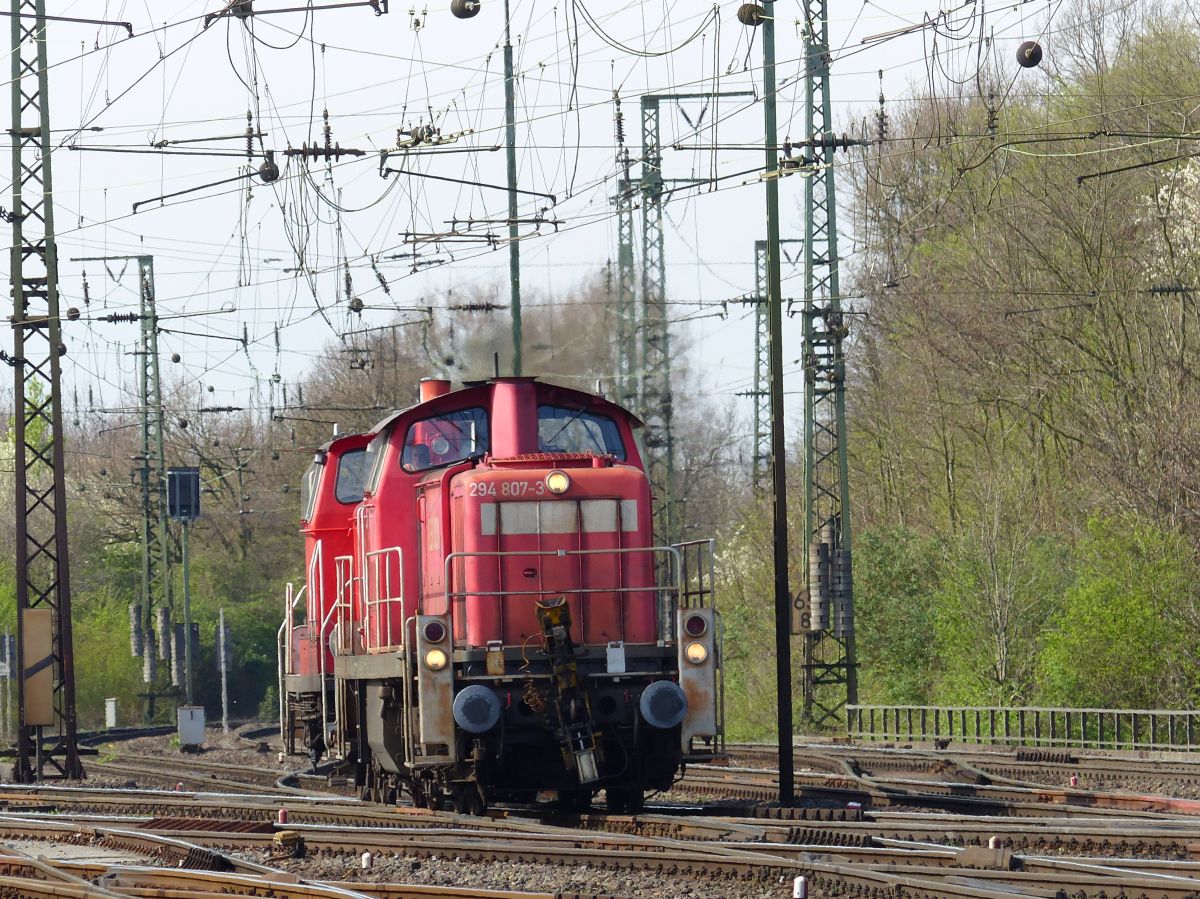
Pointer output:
464, 9
818, 586
149, 660
620, 127
135, 630
843, 594
163, 632
1029, 54
750, 14
177, 658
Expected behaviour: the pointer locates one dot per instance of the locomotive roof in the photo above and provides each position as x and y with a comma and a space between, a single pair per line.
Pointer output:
363, 438
568, 394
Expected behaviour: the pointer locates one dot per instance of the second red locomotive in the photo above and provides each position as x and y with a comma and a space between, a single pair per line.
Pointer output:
486, 615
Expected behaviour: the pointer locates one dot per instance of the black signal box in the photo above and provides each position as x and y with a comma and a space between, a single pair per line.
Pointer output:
183, 493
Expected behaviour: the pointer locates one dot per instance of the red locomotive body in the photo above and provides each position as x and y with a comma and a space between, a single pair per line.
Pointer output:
496, 618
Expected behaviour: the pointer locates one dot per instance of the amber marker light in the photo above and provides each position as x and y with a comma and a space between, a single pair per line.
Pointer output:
557, 482
435, 659
697, 653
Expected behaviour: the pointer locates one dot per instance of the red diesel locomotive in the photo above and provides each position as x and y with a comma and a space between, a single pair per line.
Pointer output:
486, 615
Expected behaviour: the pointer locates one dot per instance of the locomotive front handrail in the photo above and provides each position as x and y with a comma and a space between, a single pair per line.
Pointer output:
672, 588
283, 649
343, 571
325, 643
370, 576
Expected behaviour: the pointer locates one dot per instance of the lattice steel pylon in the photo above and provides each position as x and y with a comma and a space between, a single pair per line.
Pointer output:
830, 677
42, 565
655, 400
152, 475
760, 463
627, 317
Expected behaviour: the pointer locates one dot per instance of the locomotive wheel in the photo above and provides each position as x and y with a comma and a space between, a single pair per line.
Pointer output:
625, 800
577, 801
370, 789
420, 798
467, 800
380, 788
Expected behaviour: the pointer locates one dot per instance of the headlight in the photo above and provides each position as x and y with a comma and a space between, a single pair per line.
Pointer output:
435, 659
697, 653
557, 482
435, 631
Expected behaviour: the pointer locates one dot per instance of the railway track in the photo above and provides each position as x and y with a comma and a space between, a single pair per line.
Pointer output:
921, 868
1093, 769
877, 822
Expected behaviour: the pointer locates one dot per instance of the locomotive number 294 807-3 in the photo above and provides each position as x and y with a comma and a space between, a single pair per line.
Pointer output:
507, 488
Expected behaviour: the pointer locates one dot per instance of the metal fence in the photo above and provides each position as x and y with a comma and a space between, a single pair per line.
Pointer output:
1159, 729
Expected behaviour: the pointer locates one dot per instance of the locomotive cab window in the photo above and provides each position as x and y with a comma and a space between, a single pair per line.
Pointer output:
351, 476
373, 462
445, 439
308, 491
563, 430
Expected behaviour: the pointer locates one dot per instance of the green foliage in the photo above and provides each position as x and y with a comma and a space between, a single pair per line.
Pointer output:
745, 599
1125, 634
103, 665
991, 611
1024, 426
268, 709
896, 576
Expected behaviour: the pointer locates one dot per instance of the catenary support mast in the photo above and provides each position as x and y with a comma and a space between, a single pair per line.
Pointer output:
510, 148
46, 736
627, 310
655, 402
152, 474
760, 467
755, 16
829, 665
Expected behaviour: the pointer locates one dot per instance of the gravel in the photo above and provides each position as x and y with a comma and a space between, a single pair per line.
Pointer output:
538, 878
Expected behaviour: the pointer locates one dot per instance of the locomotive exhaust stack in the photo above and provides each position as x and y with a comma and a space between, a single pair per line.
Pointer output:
485, 614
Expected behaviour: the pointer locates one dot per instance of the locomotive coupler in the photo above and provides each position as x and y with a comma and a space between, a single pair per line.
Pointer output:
580, 749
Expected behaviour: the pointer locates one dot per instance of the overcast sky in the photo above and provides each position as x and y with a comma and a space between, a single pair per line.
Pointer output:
220, 249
